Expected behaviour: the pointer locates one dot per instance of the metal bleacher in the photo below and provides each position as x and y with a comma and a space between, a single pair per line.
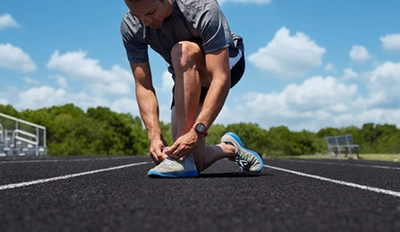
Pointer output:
21, 138
342, 144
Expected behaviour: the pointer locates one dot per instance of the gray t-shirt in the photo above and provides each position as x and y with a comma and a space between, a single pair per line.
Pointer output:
200, 21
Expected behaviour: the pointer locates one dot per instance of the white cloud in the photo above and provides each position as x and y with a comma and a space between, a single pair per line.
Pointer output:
111, 88
314, 98
359, 54
167, 84
31, 81
125, 105
3, 101
165, 113
6, 20
384, 84
311, 105
46, 96
288, 56
317, 93
76, 65
377, 116
14, 58
329, 67
391, 42
62, 82
348, 73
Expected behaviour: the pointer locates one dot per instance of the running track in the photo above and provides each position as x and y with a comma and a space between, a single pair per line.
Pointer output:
115, 194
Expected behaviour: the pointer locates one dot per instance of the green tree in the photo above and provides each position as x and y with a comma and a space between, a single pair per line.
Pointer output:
9, 110
326, 132
141, 143
215, 132
126, 133
166, 132
8, 124
309, 143
281, 141
79, 136
387, 139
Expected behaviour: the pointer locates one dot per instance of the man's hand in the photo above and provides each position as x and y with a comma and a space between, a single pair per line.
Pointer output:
183, 146
157, 150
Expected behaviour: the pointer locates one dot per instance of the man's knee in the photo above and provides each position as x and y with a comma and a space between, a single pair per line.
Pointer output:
186, 53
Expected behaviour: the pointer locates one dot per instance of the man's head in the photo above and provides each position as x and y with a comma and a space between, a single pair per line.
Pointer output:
151, 12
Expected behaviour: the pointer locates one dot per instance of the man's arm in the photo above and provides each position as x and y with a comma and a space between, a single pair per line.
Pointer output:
148, 107
217, 64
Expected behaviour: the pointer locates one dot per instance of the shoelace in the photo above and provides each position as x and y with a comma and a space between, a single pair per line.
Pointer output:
245, 156
171, 162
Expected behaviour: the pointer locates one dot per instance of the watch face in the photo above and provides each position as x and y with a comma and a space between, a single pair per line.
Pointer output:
200, 128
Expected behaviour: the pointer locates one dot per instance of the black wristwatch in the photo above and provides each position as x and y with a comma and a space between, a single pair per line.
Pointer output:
200, 128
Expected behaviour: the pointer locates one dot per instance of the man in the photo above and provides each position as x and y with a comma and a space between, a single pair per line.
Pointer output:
205, 60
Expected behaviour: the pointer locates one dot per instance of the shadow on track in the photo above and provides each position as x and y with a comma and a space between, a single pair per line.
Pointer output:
217, 175
232, 175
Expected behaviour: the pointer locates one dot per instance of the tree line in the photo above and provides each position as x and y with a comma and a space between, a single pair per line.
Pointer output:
100, 131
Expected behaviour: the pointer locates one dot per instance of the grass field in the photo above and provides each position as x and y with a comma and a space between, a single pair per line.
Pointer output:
381, 157
377, 157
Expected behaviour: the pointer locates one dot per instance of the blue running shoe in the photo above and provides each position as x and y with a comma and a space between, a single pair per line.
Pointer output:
248, 160
175, 168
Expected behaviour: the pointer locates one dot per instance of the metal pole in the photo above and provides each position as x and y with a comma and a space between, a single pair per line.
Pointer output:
44, 139
37, 141
337, 145
1, 133
348, 144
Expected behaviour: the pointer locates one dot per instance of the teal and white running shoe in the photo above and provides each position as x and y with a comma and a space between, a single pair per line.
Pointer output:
175, 168
248, 160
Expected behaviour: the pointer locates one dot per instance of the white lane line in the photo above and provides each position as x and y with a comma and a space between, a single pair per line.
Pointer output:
61, 160
347, 164
41, 181
364, 187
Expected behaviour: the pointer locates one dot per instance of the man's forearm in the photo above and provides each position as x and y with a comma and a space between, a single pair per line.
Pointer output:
149, 111
214, 101
218, 68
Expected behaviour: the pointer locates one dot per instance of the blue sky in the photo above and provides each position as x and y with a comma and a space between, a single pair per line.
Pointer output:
310, 64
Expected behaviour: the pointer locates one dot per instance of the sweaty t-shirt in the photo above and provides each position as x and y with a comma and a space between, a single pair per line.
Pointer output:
200, 21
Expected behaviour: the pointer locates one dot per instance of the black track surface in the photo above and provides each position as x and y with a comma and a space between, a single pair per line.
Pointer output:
220, 199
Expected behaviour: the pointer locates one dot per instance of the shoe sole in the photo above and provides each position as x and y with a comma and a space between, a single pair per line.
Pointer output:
193, 173
235, 137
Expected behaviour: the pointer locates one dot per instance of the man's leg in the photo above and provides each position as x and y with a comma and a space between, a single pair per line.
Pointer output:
190, 74
205, 156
